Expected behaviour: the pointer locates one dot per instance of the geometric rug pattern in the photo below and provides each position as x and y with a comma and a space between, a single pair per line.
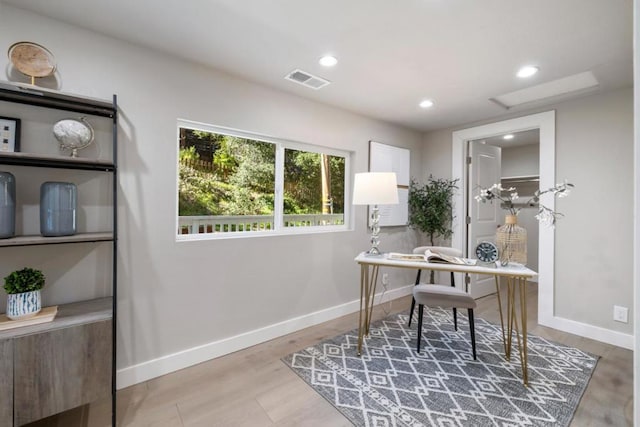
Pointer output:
392, 385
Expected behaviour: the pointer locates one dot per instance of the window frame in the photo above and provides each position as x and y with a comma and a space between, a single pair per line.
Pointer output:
281, 145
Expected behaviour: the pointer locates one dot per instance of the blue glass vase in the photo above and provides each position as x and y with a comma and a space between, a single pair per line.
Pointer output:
58, 205
7, 205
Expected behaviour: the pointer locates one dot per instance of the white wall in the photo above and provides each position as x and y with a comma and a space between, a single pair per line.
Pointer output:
175, 297
594, 255
594, 258
521, 160
436, 156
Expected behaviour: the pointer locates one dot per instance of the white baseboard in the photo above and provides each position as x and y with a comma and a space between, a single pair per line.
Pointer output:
589, 331
166, 364
172, 362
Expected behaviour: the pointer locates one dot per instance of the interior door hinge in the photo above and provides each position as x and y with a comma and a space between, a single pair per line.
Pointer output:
468, 220
469, 160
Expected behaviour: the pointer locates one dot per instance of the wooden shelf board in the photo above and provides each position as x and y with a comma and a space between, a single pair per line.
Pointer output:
76, 313
520, 177
40, 240
47, 314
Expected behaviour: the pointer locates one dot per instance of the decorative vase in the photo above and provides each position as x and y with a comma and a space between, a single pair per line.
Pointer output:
23, 305
511, 240
58, 203
7, 205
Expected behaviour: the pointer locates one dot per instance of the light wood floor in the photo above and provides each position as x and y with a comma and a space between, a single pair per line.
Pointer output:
254, 388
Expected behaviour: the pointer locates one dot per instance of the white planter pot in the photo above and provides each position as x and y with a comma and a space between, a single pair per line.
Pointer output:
24, 305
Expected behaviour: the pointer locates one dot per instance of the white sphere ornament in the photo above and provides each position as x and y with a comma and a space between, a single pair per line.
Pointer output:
73, 134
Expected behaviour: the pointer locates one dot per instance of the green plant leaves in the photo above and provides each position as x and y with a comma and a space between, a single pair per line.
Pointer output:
431, 207
25, 280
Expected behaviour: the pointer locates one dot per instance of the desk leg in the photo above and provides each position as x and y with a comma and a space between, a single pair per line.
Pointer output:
368, 280
517, 286
522, 284
504, 338
364, 273
513, 322
511, 316
505, 326
373, 280
516, 293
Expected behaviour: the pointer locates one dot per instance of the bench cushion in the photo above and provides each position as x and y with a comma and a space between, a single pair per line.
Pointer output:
442, 296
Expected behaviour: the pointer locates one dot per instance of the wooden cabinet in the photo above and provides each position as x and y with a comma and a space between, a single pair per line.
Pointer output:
6, 383
60, 370
49, 368
53, 367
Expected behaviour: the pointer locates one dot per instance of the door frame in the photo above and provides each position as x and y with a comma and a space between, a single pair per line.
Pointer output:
546, 122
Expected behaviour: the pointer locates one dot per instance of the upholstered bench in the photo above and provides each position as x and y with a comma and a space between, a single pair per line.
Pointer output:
445, 297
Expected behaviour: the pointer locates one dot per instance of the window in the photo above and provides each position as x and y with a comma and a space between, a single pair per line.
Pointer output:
234, 183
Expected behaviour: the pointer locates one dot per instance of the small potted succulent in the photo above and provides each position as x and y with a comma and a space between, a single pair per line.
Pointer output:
23, 289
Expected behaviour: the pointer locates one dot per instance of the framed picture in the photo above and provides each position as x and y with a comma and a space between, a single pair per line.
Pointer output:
9, 135
388, 158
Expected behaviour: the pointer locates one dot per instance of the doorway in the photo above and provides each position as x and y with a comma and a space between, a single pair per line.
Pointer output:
545, 123
520, 170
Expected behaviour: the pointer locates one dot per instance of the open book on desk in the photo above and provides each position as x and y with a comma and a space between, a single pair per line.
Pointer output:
434, 257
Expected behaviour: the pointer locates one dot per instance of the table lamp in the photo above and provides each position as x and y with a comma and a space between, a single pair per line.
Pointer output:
375, 188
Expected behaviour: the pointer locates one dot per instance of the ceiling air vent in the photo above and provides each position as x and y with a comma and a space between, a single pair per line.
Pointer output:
306, 79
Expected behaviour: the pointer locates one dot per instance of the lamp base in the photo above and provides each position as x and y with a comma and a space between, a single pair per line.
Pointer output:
375, 231
373, 252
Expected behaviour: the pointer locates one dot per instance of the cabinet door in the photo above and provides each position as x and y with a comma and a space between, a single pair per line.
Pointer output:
58, 370
6, 383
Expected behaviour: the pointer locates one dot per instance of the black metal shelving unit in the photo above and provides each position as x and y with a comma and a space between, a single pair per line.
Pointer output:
58, 162
40, 97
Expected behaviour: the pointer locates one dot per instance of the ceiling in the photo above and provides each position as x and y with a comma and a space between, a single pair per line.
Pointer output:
392, 54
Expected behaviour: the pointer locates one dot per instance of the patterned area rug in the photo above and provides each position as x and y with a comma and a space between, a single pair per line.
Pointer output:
392, 385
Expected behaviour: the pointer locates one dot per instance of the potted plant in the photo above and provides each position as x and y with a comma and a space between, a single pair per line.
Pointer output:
23, 293
431, 208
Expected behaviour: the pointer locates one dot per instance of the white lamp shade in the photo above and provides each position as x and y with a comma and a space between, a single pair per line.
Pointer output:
375, 188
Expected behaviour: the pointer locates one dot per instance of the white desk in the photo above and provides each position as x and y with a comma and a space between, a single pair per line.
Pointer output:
516, 280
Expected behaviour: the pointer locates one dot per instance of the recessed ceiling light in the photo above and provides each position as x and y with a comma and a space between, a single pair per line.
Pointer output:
427, 103
328, 61
527, 71
508, 136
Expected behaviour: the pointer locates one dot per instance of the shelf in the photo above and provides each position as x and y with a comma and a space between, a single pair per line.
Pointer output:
521, 178
47, 314
33, 95
40, 240
77, 313
89, 324
39, 160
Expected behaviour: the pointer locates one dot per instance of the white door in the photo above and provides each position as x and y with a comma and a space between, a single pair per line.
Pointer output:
484, 218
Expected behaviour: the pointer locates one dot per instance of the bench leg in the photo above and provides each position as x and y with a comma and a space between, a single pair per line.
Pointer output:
413, 306
420, 312
472, 329
455, 318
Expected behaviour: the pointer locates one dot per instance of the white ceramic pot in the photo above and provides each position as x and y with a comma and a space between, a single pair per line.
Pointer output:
23, 305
